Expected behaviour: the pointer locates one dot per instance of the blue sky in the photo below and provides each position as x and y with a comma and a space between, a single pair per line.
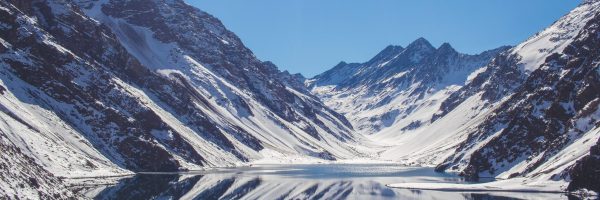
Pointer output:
311, 36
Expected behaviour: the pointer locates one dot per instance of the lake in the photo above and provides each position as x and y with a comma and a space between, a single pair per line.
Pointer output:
318, 181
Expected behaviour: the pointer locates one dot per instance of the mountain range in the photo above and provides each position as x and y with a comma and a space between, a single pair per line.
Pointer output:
528, 112
115, 87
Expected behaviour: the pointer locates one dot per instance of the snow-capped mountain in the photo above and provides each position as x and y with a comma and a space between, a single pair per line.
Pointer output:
547, 117
106, 86
111, 87
400, 88
531, 112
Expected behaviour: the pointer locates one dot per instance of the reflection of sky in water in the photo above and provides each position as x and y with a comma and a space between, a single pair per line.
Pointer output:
336, 181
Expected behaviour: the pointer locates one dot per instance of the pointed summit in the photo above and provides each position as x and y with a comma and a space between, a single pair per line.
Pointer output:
392, 48
420, 44
341, 64
446, 48
389, 51
421, 40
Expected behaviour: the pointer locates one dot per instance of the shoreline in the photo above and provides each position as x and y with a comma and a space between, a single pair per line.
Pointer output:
506, 185
478, 189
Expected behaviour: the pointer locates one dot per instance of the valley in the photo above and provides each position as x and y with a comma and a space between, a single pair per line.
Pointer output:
103, 92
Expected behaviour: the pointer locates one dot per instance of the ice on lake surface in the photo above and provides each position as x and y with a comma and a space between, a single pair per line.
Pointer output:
326, 181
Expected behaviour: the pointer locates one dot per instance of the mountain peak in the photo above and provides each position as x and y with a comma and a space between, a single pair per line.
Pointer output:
341, 64
421, 39
446, 47
420, 43
390, 50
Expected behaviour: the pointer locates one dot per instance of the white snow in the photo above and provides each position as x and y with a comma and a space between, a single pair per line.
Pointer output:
169, 59
511, 185
555, 38
27, 120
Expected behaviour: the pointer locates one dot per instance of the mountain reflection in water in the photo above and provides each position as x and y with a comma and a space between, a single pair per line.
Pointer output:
332, 181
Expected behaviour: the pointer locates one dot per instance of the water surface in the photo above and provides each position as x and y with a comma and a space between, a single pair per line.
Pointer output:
332, 181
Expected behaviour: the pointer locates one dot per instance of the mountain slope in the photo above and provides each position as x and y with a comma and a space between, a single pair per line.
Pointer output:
531, 112
108, 87
530, 115
545, 123
249, 95
21, 177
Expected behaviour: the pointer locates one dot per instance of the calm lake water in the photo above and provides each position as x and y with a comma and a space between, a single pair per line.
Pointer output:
333, 181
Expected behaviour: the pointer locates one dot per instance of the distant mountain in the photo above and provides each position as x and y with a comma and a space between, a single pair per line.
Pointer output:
400, 88
106, 87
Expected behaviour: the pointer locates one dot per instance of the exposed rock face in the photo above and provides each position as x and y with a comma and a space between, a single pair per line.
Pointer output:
541, 121
224, 76
102, 87
533, 111
21, 177
585, 174
68, 60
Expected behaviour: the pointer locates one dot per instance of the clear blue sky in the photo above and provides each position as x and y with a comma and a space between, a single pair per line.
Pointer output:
311, 36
